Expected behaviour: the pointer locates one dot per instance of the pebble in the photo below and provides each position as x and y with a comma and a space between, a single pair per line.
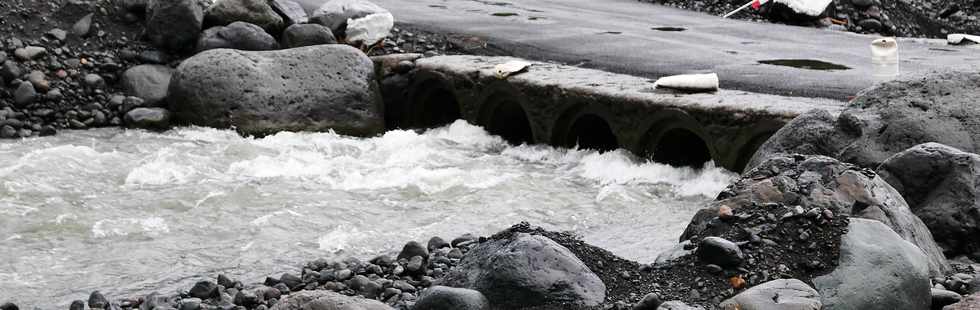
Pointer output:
870, 24
725, 213
292, 281
94, 81
25, 94
37, 79
649, 302
83, 26
414, 264
8, 132
29, 53
57, 34
9, 71
437, 243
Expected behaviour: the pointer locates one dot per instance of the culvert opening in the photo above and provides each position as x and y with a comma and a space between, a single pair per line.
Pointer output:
510, 122
438, 107
681, 148
592, 132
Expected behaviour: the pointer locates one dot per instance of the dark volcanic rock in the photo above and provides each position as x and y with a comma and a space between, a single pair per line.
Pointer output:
148, 82
451, 298
877, 271
971, 302
718, 251
8, 306
257, 12
174, 24
314, 88
237, 35
299, 35
148, 118
822, 182
885, 120
25, 94
204, 289
940, 183
326, 300
942, 298
97, 301
524, 270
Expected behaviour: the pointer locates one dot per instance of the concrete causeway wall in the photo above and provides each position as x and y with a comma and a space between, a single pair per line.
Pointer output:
568, 106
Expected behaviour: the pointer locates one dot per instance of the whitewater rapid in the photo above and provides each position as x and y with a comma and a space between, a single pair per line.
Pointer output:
131, 212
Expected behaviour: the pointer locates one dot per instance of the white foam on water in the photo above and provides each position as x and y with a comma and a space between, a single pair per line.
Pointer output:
160, 169
151, 227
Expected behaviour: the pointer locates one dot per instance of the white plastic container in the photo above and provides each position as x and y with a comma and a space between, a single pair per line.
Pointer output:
884, 59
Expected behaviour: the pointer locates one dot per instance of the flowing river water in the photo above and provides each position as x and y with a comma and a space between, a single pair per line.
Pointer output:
131, 212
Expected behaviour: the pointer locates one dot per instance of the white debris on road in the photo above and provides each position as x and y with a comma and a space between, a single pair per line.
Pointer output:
689, 82
960, 38
807, 7
509, 68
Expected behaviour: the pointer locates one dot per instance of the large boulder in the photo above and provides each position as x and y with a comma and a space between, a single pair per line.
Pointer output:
524, 270
326, 300
174, 24
782, 294
821, 182
237, 35
257, 12
148, 82
300, 35
940, 184
877, 271
355, 20
885, 120
451, 298
315, 88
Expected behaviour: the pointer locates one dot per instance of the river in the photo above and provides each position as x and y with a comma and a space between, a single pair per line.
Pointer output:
131, 212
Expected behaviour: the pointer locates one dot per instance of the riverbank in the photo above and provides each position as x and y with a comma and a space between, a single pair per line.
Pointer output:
921, 19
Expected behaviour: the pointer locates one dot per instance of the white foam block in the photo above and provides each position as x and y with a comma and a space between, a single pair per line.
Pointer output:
808, 7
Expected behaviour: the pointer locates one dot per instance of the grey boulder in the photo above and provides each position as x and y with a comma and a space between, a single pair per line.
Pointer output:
257, 12
299, 35
524, 270
174, 24
148, 82
678, 305
326, 300
877, 270
940, 184
782, 294
237, 35
314, 88
885, 120
148, 118
451, 298
821, 182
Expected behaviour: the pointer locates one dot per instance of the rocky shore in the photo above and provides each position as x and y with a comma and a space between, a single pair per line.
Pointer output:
928, 19
872, 209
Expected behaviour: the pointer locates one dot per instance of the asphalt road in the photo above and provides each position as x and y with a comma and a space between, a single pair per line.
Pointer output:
619, 36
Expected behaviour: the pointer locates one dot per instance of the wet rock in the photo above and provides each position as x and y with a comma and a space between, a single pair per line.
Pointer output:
649, 302
821, 182
97, 301
202, 289
256, 12
292, 281
462, 239
24, 95
247, 299
718, 251
8, 306
940, 185
237, 35
156, 301
523, 270
870, 24
39, 81
77, 305
885, 120
436, 243
326, 300
225, 281
877, 270
148, 118
148, 82
299, 35
224, 88
942, 298
83, 26
450, 298
57, 34
174, 24
777, 294
190, 304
